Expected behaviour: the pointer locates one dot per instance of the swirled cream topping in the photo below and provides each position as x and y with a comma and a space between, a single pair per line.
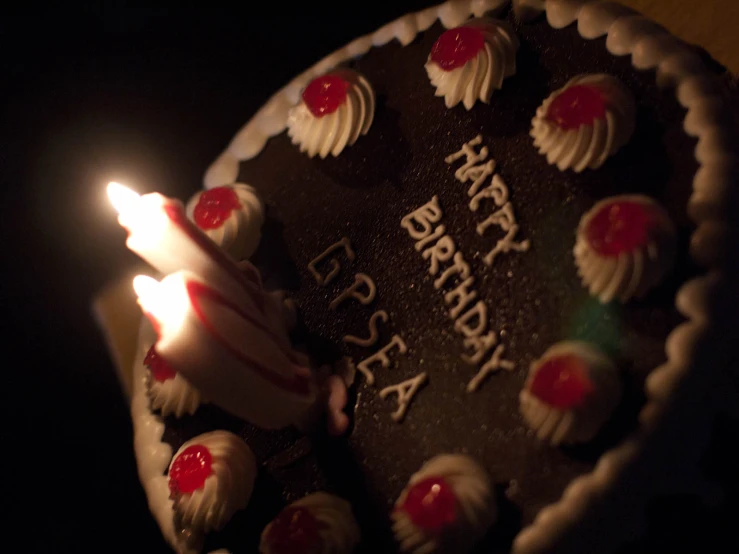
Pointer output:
169, 392
320, 523
584, 122
210, 478
625, 246
468, 63
335, 109
570, 393
231, 215
447, 506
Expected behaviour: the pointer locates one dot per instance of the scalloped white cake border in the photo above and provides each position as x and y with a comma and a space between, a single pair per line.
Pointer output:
627, 32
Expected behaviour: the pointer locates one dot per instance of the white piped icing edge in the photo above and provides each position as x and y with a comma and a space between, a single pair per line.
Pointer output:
226, 490
480, 76
339, 531
476, 510
555, 522
580, 424
240, 233
173, 396
589, 145
331, 133
630, 274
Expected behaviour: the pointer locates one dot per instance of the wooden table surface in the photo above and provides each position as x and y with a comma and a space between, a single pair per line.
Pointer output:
712, 24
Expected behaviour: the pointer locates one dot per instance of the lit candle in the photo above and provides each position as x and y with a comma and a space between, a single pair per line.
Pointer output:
237, 358
160, 232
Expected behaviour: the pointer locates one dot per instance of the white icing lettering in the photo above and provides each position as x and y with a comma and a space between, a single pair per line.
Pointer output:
419, 222
467, 171
460, 268
494, 364
405, 391
478, 314
506, 220
381, 357
438, 232
460, 297
479, 173
360, 280
335, 265
374, 335
479, 345
442, 251
497, 190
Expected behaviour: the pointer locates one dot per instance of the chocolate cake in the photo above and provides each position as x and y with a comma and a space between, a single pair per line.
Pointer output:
340, 238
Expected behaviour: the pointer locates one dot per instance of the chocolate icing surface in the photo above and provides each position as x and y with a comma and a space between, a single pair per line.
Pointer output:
534, 298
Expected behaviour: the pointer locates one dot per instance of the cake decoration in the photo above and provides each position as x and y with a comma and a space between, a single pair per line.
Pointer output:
210, 478
473, 169
583, 123
374, 335
361, 281
468, 63
625, 246
405, 391
447, 506
237, 355
169, 392
335, 109
319, 523
323, 280
381, 357
231, 216
470, 317
570, 393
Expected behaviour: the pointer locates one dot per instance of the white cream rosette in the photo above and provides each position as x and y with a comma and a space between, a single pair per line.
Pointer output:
330, 133
474, 507
590, 144
484, 73
557, 424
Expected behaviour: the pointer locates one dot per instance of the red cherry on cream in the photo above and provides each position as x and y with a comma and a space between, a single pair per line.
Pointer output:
456, 47
620, 227
190, 469
324, 95
575, 106
160, 369
431, 504
562, 382
295, 531
214, 207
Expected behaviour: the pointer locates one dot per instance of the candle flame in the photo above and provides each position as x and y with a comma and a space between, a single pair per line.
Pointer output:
165, 301
122, 197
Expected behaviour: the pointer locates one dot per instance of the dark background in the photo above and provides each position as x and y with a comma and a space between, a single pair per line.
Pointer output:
149, 98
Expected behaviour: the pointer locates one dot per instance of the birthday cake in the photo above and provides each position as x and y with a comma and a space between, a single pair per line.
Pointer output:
449, 285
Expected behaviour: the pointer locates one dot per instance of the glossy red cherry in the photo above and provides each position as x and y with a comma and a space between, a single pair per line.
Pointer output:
190, 469
456, 47
431, 504
575, 106
160, 369
295, 531
214, 207
620, 227
324, 95
562, 382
